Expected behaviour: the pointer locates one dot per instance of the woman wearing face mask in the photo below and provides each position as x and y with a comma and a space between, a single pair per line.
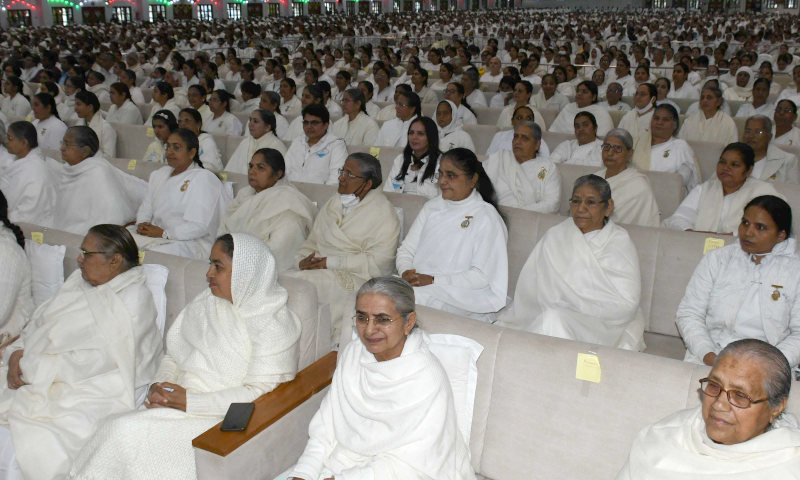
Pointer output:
414, 170
261, 134
637, 121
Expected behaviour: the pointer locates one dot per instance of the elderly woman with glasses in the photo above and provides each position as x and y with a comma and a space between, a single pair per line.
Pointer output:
90, 189
634, 201
741, 431
389, 412
89, 352
582, 280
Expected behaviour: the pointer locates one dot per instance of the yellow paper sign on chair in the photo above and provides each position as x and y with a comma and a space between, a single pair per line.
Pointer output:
588, 368
37, 237
375, 151
713, 244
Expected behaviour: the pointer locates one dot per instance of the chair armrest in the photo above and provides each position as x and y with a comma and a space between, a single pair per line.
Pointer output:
271, 407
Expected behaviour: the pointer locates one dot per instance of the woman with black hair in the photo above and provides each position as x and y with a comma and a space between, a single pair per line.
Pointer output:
414, 170
87, 107
393, 133
15, 104
181, 212
223, 121
355, 126
290, 104
49, 127
16, 302
122, 109
163, 124
28, 183
209, 153
746, 289
455, 253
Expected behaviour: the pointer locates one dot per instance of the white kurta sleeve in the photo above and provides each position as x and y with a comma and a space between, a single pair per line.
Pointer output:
109, 141
209, 154
691, 316
685, 216
167, 370
790, 346
562, 153
338, 156
234, 127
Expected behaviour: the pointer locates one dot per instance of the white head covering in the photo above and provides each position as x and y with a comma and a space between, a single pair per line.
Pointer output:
455, 122
747, 90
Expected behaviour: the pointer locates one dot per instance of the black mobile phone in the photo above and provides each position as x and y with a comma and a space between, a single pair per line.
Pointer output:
237, 417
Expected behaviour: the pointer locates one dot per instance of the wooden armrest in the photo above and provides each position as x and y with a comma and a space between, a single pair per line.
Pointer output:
271, 406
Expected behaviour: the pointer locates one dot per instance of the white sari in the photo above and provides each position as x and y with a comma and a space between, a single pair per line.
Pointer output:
678, 447
86, 353
581, 287
391, 420
244, 152
280, 216
220, 352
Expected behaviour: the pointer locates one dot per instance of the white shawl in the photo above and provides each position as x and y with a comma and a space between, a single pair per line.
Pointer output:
249, 146
94, 192
30, 188
220, 352
581, 287
87, 351
16, 301
720, 128
678, 447
565, 121
391, 420
710, 215
280, 216
634, 201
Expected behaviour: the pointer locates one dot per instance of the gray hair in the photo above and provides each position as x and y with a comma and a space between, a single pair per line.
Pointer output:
623, 135
598, 183
767, 122
85, 137
400, 291
115, 239
369, 166
775, 367
536, 129
472, 74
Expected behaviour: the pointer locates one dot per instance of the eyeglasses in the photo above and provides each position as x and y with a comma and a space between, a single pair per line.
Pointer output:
451, 91
380, 321
404, 105
347, 174
747, 131
784, 110
735, 397
612, 90
313, 123
614, 148
590, 202
447, 175
67, 145
84, 253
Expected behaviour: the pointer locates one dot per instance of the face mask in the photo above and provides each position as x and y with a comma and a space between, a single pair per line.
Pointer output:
349, 200
644, 110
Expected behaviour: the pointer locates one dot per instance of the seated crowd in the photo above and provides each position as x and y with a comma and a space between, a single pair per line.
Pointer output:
106, 397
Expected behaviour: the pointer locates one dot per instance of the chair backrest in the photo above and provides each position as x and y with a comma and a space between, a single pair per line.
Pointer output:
132, 140
549, 116
707, 155
616, 116
482, 136
487, 116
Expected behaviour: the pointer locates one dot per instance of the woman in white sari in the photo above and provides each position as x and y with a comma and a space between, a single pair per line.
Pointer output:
355, 126
548, 97
451, 135
91, 190
16, 300
455, 251
163, 124
637, 121
271, 208
710, 123
414, 170
389, 413
582, 280
234, 342
785, 132
49, 127
122, 109
742, 90
586, 149
716, 205
66, 104
740, 432
192, 120
585, 101
87, 107
522, 96
87, 353
634, 201
261, 129
181, 212
28, 182
658, 150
